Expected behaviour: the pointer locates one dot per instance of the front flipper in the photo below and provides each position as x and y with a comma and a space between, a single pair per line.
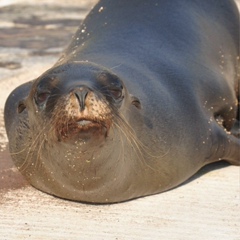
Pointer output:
225, 146
236, 129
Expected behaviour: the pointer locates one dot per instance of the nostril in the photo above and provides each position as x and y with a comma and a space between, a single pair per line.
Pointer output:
81, 94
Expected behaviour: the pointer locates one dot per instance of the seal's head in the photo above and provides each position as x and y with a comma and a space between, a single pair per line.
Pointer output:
78, 114
78, 100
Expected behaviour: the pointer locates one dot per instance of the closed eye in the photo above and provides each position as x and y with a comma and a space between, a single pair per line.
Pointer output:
116, 93
41, 97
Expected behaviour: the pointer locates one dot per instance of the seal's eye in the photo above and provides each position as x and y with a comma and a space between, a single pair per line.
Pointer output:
116, 93
41, 97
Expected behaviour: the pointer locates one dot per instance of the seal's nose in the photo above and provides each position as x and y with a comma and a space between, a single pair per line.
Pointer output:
81, 95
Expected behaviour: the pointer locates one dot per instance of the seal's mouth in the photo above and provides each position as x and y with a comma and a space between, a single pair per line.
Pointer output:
85, 124
83, 128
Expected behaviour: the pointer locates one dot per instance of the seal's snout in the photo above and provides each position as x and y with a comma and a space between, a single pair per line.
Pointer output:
81, 95
82, 114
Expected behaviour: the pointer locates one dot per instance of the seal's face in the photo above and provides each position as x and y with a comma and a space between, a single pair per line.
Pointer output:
79, 101
78, 132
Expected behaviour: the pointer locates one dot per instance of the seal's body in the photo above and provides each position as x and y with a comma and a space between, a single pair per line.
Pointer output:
144, 96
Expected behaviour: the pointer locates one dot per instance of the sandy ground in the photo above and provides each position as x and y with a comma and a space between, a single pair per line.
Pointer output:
32, 35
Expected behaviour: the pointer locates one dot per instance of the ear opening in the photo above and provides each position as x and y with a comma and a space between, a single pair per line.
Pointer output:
21, 106
136, 102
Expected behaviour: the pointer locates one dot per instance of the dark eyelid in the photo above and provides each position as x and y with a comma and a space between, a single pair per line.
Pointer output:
41, 96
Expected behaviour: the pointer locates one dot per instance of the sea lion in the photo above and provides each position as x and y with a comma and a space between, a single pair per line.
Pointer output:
144, 96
